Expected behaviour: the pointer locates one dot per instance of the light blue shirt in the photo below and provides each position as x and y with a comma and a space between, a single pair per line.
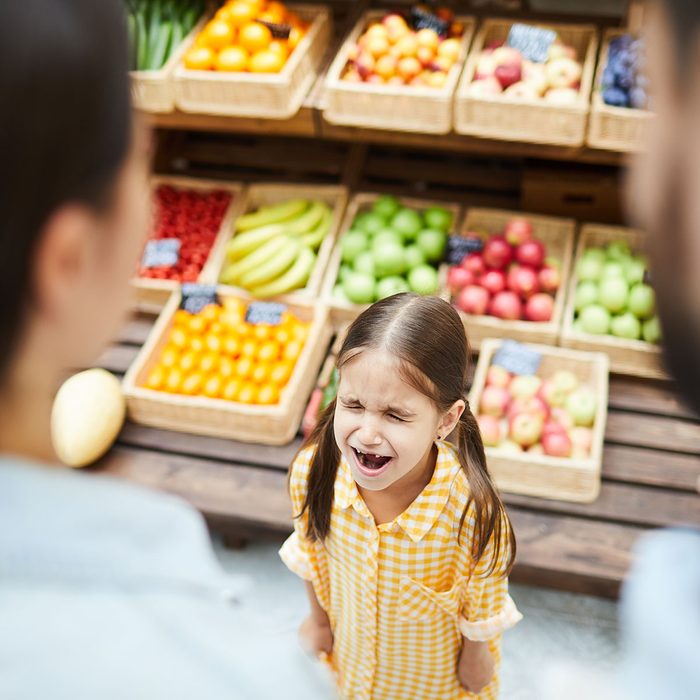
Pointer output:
111, 591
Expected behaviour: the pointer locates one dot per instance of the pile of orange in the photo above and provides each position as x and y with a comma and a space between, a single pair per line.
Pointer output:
238, 40
216, 353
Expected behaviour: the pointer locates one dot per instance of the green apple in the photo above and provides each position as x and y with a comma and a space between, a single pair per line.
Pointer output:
618, 250
353, 243
339, 294
594, 253
423, 280
359, 288
344, 271
390, 286
577, 326
389, 259
595, 319
613, 269
589, 269
386, 206
634, 270
586, 294
364, 262
651, 330
438, 217
613, 293
407, 222
386, 235
370, 223
582, 405
414, 256
642, 301
433, 243
626, 325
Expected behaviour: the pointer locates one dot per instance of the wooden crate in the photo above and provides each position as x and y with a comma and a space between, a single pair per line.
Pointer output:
536, 121
271, 96
557, 478
393, 107
615, 128
558, 235
268, 425
258, 195
150, 295
635, 357
154, 90
345, 312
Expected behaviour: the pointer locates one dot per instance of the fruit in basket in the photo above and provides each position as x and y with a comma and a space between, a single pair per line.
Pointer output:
497, 253
360, 288
651, 330
473, 299
582, 405
613, 293
626, 325
525, 386
595, 319
389, 286
423, 280
523, 281
531, 252
624, 82
506, 305
525, 429
539, 308
490, 429
498, 376
494, 401
556, 443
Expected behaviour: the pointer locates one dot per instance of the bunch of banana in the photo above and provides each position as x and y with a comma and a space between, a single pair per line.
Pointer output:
274, 248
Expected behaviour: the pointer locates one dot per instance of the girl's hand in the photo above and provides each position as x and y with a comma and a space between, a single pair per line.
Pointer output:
475, 666
316, 636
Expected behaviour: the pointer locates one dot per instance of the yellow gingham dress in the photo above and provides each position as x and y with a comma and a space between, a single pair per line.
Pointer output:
400, 595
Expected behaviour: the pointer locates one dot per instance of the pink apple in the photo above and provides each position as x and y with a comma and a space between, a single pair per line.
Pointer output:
539, 308
494, 281
498, 376
485, 87
497, 252
485, 66
473, 300
365, 64
508, 74
525, 386
459, 278
490, 429
562, 416
506, 55
474, 262
552, 393
494, 401
581, 438
506, 305
531, 253
563, 72
556, 444
532, 405
525, 429
494, 44
551, 426
566, 379
549, 279
523, 281
521, 91
534, 74
517, 231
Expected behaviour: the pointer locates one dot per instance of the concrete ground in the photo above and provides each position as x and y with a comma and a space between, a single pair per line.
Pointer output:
558, 630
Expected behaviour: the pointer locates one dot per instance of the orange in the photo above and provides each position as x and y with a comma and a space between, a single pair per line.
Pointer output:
197, 344
269, 351
212, 342
279, 47
292, 350
223, 14
197, 324
230, 389
170, 357
178, 337
271, 17
232, 346
212, 387
295, 36
240, 13
283, 335
281, 372
300, 332
248, 393
257, 5
209, 362
268, 394
156, 378
173, 380
249, 348
210, 313
261, 332
254, 37
199, 58
260, 373
188, 361
277, 8
227, 368
266, 62
192, 383
232, 59
181, 318
218, 34
244, 368
217, 327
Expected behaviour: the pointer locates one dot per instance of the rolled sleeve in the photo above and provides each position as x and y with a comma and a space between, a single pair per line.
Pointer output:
296, 557
488, 611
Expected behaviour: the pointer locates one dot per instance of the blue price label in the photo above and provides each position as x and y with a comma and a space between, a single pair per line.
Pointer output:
423, 19
265, 312
532, 42
164, 252
458, 247
196, 296
517, 358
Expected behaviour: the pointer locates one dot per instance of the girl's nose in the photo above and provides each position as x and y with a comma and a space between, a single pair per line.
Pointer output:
368, 434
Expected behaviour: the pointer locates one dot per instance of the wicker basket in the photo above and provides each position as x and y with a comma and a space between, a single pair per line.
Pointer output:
635, 357
150, 295
262, 194
153, 90
615, 128
342, 312
564, 479
268, 425
270, 96
558, 235
527, 120
394, 107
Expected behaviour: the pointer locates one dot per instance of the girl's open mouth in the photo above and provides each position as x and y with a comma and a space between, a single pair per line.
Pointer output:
369, 464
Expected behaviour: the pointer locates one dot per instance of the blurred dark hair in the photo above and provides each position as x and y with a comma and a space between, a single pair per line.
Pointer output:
65, 128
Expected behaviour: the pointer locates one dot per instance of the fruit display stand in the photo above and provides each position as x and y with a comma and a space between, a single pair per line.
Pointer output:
271, 96
393, 107
152, 294
263, 194
344, 312
615, 128
558, 235
265, 424
635, 357
511, 119
560, 478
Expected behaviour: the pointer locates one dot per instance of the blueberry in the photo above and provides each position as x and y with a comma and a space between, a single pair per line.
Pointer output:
615, 97
624, 76
638, 98
608, 79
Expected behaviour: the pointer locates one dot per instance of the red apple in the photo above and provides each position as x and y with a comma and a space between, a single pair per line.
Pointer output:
525, 429
474, 262
508, 74
551, 426
494, 281
531, 253
539, 308
506, 305
498, 376
459, 278
507, 56
556, 444
497, 253
490, 429
473, 300
549, 279
517, 231
523, 281
494, 401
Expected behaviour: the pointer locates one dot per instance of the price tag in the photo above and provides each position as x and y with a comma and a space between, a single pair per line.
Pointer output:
265, 312
163, 252
422, 19
196, 296
458, 247
532, 42
517, 358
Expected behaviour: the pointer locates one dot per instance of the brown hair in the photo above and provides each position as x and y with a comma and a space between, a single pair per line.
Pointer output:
427, 336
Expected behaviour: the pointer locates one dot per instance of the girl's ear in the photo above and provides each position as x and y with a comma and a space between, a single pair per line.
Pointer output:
450, 418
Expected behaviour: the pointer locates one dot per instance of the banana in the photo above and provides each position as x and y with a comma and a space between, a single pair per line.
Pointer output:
244, 243
295, 277
272, 214
308, 220
313, 239
233, 272
277, 264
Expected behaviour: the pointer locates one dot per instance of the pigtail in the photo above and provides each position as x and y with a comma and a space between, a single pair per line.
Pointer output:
491, 520
321, 481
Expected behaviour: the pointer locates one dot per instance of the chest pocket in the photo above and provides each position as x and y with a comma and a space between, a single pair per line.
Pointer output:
420, 602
